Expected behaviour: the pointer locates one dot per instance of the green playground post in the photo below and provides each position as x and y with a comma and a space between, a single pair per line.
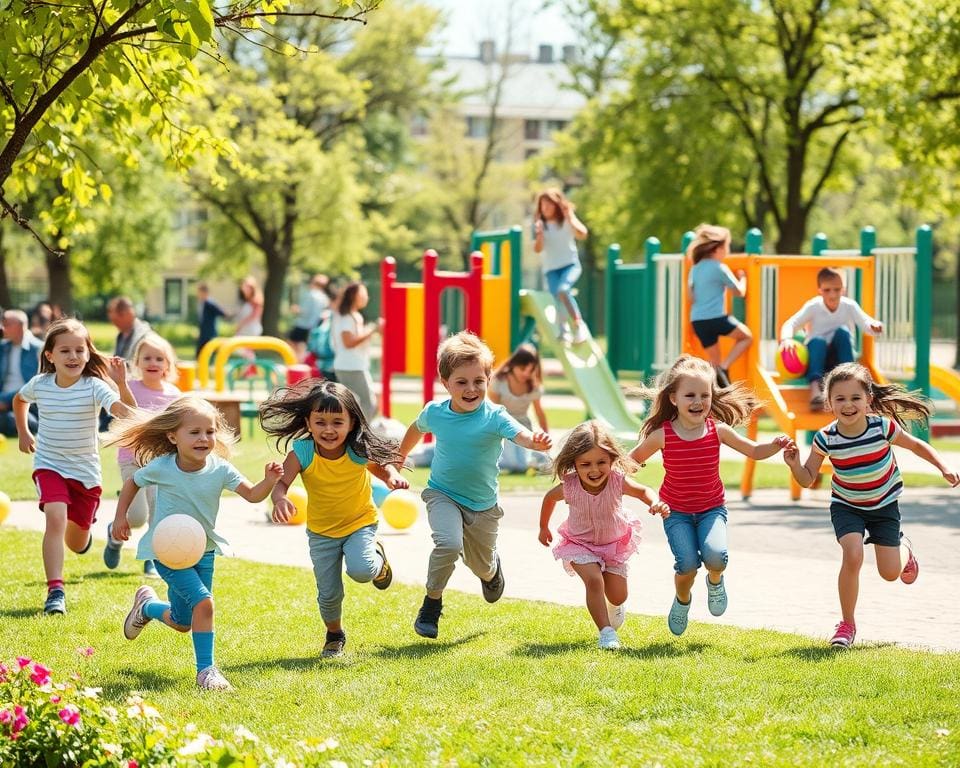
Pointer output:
651, 247
924, 299
516, 275
609, 309
820, 243
868, 241
754, 241
686, 240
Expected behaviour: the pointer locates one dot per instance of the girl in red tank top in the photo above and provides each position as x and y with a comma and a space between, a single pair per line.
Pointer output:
689, 421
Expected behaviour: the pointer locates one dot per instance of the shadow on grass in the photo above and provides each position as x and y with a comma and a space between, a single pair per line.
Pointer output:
821, 652
119, 687
112, 575
653, 651
21, 613
423, 648
296, 663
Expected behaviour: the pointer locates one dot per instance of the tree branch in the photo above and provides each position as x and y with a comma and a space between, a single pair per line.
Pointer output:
24, 223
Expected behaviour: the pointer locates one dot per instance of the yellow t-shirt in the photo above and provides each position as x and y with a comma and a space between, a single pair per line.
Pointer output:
339, 491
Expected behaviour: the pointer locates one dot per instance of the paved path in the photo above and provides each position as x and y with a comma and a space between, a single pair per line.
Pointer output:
782, 572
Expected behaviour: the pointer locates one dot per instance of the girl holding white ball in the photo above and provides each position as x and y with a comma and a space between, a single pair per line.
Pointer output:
335, 453
183, 450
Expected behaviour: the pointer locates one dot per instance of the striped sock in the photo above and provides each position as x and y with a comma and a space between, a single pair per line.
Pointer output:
203, 648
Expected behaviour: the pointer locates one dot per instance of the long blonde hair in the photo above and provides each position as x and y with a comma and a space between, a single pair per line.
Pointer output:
707, 238
145, 433
732, 405
157, 341
585, 437
889, 400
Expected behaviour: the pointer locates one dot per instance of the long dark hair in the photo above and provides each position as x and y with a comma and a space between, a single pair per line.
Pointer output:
348, 298
96, 365
889, 400
285, 414
524, 355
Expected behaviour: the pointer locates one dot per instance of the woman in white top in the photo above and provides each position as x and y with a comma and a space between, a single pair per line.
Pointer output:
351, 346
249, 316
517, 385
556, 230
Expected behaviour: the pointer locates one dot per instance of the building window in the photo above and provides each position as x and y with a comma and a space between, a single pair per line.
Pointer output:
531, 130
555, 125
418, 125
528, 153
173, 297
478, 127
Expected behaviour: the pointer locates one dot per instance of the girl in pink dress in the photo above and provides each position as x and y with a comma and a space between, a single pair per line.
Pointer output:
598, 536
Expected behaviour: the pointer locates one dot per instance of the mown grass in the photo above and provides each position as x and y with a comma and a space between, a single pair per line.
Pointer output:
515, 684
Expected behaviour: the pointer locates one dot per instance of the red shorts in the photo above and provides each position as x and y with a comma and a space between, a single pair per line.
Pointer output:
82, 502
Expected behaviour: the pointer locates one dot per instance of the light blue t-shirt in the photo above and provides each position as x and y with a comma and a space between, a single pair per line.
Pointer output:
468, 450
708, 279
187, 493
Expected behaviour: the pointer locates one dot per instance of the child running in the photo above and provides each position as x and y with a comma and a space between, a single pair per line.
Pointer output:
461, 494
690, 419
516, 385
156, 362
69, 390
708, 280
866, 480
598, 537
335, 452
183, 450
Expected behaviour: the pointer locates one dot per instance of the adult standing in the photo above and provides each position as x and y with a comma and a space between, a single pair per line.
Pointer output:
249, 315
351, 346
312, 302
131, 329
19, 362
208, 313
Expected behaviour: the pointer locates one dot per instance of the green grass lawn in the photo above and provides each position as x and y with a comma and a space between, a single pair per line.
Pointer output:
515, 684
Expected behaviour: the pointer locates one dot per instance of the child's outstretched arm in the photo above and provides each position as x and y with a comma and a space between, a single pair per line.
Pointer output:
410, 440
647, 446
20, 409
928, 453
550, 500
272, 472
541, 415
389, 474
535, 441
749, 448
647, 495
805, 474
121, 526
283, 508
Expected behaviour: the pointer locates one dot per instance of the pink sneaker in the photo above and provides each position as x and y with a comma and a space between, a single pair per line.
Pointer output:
844, 635
911, 570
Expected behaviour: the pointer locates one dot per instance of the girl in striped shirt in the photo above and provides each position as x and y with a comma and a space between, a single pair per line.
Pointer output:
866, 481
690, 419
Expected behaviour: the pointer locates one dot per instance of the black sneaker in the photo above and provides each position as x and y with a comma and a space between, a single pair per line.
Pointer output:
428, 618
723, 378
385, 577
56, 602
111, 552
333, 646
493, 589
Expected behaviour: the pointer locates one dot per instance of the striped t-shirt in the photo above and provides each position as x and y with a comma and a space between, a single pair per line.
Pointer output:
691, 481
67, 429
865, 472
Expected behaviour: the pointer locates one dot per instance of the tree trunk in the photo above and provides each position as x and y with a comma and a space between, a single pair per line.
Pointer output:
5, 299
58, 276
278, 264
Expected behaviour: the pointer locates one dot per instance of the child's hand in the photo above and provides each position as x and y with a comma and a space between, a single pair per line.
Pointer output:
120, 530
395, 479
537, 228
541, 441
952, 477
273, 471
545, 537
783, 442
791, 455
27, 443
283, 510
742, 274
876, 327
117, 369
660, 508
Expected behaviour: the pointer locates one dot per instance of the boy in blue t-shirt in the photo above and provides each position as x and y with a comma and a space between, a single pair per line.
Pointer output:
461, 494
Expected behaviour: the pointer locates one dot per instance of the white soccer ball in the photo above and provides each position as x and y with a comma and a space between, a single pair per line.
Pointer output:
179, 541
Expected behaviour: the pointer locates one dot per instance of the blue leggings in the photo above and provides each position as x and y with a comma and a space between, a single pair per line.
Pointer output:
187, 587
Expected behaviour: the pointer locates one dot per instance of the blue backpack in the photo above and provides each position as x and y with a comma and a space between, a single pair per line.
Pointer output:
320, 343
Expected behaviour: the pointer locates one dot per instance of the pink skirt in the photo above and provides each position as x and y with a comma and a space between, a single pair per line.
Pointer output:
610, 557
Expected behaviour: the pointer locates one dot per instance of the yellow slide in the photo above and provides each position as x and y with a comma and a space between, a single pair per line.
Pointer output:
946, 380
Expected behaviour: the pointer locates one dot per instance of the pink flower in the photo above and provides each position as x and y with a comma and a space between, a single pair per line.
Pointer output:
23, 661
20, 721
41, 675
70, 715
5, 716
133, 764
54, 699
3, 672
87, 651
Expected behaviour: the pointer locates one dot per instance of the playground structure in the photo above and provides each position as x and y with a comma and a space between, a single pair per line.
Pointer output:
499, 312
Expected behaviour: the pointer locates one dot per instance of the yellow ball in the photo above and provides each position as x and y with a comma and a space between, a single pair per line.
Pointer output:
791, 359
4, 506
400, 509
299, 498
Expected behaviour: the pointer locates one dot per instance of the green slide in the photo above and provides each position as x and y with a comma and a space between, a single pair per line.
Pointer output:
585, 366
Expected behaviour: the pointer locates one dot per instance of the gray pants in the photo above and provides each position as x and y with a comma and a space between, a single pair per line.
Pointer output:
361, 384
141, 508
458, 530
328, 553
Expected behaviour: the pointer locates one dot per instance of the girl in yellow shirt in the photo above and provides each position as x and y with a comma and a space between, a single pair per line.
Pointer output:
335, 453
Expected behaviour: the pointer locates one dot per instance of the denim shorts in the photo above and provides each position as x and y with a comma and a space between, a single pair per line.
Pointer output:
562, 280
708, 331
882, 524
186, 587
697, 537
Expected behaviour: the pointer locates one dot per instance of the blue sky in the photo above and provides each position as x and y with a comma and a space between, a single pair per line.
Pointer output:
470, 21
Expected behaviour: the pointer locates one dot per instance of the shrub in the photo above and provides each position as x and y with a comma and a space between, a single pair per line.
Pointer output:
48, 723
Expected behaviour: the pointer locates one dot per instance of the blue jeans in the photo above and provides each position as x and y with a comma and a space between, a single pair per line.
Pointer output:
824, 356
560, 281
186, 587
328, 554
696, 538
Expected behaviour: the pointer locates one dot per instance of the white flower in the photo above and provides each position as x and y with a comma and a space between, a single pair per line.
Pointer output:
91, 693
111, 749
330, 743
942, 731
242, 733
337, 764
282, 763
200, 744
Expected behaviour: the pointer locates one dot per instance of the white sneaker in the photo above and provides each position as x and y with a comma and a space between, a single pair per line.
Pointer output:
212, 679
616, 614
608, 639
581, 334
135, 622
